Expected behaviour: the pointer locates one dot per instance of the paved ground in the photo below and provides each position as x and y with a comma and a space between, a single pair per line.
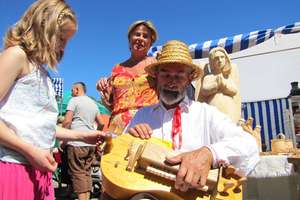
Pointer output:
64, 193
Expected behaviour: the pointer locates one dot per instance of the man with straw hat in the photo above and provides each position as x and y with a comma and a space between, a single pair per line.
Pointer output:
205, 136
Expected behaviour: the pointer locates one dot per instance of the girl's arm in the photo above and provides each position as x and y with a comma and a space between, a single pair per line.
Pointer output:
13, 63
90, 137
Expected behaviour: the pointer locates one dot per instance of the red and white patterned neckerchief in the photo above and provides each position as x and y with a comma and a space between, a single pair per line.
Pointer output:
177, 129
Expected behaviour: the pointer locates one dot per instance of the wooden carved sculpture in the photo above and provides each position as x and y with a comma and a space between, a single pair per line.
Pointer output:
248, 127
220, 85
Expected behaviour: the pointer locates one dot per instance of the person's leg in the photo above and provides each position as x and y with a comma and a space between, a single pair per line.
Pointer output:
89, 159
83, 196
80, 160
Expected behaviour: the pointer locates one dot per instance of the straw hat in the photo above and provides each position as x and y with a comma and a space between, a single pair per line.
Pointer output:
175, 52
148, 24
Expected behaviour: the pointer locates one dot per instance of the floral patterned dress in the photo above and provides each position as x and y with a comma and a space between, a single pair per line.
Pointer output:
130, 92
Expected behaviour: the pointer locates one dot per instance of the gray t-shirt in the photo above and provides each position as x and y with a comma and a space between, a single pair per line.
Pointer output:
85, 112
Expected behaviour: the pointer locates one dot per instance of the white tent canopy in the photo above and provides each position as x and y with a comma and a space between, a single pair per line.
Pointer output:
267, 69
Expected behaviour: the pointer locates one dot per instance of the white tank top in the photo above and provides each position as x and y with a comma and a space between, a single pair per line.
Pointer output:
30, 110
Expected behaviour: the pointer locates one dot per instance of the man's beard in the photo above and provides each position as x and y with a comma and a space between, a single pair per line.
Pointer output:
170, 97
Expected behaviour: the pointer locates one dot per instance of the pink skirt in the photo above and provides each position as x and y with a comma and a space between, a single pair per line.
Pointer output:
18, 181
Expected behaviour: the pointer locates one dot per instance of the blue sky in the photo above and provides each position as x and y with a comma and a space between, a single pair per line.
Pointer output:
101, 40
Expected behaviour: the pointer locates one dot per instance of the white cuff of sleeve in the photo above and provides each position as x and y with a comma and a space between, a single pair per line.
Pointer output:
214, 164
218, 154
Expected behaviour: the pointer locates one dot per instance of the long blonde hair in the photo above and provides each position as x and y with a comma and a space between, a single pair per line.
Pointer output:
38, 30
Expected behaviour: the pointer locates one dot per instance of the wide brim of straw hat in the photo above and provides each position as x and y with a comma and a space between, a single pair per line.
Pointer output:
177, 53
197, 72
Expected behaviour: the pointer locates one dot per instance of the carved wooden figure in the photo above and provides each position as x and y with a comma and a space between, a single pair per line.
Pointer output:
220, 85
248, 127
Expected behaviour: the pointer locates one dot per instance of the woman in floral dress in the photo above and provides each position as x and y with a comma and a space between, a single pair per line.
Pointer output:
129, 87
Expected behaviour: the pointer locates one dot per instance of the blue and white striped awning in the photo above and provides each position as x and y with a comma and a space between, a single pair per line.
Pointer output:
235, 43
58, 86
272, 115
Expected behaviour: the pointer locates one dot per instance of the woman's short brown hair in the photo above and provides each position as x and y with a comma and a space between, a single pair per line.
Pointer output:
148, 24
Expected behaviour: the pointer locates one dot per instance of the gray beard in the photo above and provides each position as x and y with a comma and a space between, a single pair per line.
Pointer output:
169, 97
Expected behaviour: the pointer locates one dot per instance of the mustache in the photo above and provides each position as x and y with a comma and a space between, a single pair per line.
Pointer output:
168, 92
171, 97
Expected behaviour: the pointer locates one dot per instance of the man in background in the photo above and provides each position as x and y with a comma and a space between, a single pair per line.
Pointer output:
82, 113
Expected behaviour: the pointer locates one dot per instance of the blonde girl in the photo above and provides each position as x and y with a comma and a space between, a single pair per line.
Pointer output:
28, 110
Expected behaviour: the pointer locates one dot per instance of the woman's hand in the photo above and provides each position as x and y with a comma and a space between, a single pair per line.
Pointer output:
104, 87
102, 84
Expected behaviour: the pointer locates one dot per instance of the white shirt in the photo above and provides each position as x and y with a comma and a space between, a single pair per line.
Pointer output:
30, 110
203, 125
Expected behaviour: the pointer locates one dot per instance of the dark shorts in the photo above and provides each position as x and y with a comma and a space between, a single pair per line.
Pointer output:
80, 160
